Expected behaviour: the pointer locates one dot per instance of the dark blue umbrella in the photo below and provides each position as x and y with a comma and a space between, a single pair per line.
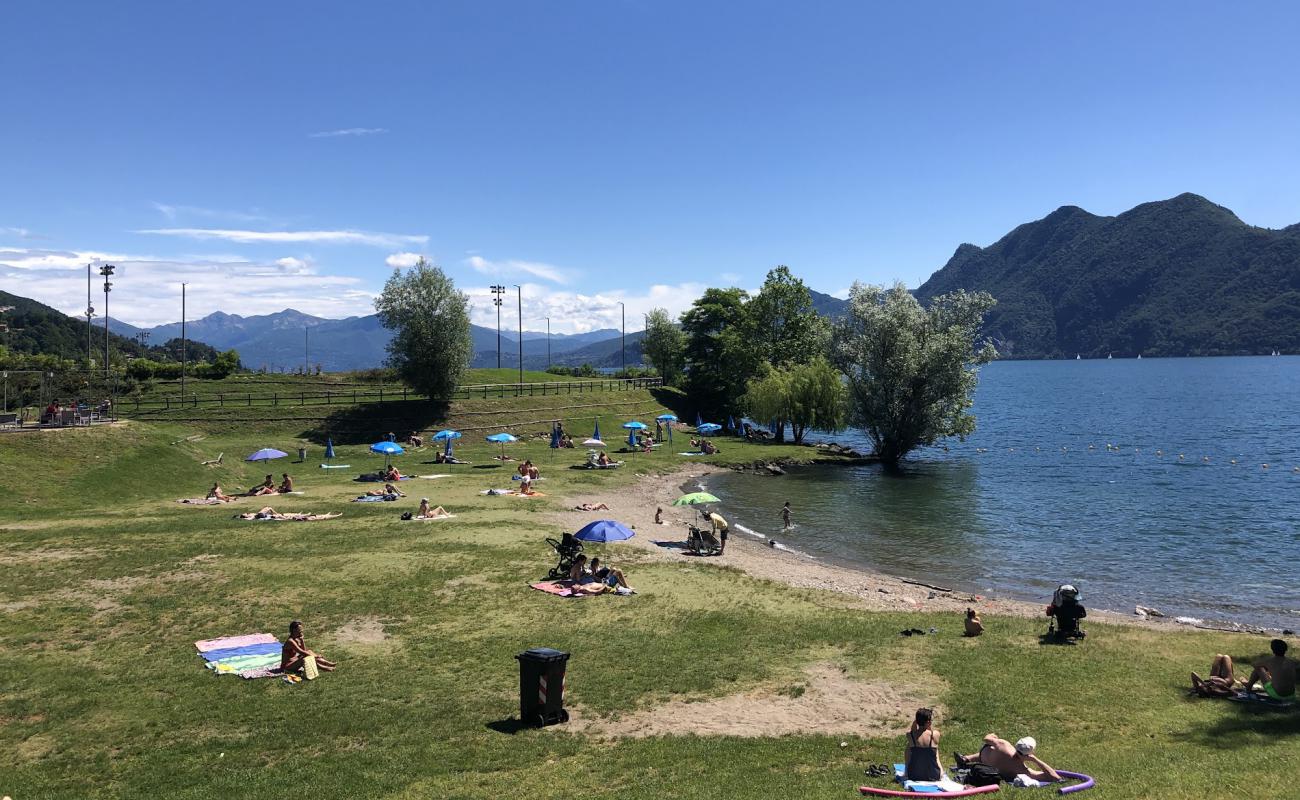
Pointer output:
604, 530
555, 437
595, 439
266, 454
388, 449
329, 448
698, 419
670, 434
731, 425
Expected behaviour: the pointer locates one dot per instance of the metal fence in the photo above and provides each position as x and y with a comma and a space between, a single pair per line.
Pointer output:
379, 395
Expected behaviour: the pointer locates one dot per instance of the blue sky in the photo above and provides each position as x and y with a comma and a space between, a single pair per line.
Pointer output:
286, 154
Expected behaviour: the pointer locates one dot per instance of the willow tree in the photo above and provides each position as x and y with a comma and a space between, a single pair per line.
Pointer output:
809, 396
431, 345
911, 370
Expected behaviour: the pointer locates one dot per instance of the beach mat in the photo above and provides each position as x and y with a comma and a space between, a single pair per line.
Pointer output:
669, 545
429, 519
238, 664
204, 645
556, 588
246, 650
1255, 699
369, 499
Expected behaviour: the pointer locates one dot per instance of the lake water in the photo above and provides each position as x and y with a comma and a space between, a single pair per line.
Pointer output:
1035, 498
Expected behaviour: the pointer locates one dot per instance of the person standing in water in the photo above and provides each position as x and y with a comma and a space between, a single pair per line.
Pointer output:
785, 515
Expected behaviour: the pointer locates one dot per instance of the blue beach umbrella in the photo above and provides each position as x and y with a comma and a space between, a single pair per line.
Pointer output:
266, 454
555, 437
667, 417
448, 435
636, 426
387, 449
595, 439
329, 448
731, 425
698, 419
604, 530
670, 434
502, 439
708, 428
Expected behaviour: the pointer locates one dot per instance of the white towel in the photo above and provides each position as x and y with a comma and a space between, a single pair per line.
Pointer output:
1026, 782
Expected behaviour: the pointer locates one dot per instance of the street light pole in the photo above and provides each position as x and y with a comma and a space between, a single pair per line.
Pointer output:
90, 312
183, 344
107, 272
622, 346
548, 342
520, 294
305, 350
497, 291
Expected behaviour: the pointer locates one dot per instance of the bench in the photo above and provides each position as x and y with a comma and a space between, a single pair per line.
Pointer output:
10, 421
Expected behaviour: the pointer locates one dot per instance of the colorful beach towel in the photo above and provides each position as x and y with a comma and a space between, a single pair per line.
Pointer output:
202, 501
556, 588
267, 648
231, 666
205, 645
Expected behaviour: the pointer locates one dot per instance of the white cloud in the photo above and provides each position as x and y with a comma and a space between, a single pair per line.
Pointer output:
513, 268
573, 312
21, 233
172, 211
146, 291
402, 260
842, 294
292, 237
347, 132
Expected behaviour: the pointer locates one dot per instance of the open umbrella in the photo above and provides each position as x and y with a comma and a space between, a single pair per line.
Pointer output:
708, 428
731, 426
695, 498
387, 449
446, 436
698, 419
604, 530
329, 448
667, 417
266, 454
632, 428
502, 439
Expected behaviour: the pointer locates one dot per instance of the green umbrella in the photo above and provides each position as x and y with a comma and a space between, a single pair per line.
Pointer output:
695, 498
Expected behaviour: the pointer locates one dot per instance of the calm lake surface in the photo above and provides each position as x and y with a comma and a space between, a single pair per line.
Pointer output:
1035, 498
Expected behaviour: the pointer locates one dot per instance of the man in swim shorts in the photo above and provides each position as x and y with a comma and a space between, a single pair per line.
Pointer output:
1275, 674
1010, 759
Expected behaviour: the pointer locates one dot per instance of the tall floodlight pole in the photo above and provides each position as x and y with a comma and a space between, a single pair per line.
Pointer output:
183, 344
520, 291
622, 345
107, 272
305, 350
548, 342
497, 291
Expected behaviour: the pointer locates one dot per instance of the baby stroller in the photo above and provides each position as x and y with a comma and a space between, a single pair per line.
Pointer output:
567, 549
701, 541
1066, 610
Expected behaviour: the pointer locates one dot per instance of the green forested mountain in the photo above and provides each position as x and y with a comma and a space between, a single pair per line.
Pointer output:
1174, 277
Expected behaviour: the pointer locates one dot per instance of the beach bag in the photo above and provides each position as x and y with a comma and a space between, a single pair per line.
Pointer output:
407, 515
982, 775
309, 669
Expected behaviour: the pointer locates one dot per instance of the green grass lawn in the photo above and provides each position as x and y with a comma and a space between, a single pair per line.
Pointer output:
108, 582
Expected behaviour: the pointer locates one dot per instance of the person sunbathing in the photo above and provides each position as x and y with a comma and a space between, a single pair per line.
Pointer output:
591, 507
602, 459
215, 493
266, 487
610, 576
524, 469
1275, 675
425, 512
1222, 680
1010, 760
295, 650
439, 457
389, 490
286, 485
974, 626
266, 512
708, 448
391, 474
584, 582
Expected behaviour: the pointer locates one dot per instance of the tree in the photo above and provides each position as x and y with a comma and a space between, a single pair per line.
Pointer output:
717, 361
911, 370
431, 345
810, 396
664, 346
781, 323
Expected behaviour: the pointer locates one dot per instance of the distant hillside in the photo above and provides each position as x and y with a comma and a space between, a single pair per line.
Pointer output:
828, 306
1170, 278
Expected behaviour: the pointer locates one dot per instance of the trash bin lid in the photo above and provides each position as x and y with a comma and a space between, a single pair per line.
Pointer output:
543, 654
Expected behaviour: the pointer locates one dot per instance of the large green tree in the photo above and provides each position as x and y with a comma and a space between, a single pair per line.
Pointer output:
809, 396
431, 345
664, 346
718, 362
911, 370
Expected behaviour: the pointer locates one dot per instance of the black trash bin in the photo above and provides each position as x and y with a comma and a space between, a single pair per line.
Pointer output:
541, 686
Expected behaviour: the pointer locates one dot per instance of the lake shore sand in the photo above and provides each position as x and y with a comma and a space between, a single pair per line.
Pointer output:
864, 588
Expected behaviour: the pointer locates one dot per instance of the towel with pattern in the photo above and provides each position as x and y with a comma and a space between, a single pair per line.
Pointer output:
205, 645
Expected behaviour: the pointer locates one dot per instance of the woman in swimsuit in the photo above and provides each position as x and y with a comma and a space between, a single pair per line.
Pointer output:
295, 650
427, 513
583, 581
921, 758
215, 493
267, 487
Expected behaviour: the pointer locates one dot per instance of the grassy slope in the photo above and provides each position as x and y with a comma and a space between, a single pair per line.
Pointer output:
256, 383
103, 697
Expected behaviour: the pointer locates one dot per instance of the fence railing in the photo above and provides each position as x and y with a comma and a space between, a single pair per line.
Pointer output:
380, 395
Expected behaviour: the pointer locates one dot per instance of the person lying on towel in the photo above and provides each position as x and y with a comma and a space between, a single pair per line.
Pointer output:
591, 507
584, 582
266, 512
215, 493
295, 650
266, 487
1010, 759
430, 513
389, 490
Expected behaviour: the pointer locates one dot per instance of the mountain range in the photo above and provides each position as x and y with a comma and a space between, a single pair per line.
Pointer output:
1169, 278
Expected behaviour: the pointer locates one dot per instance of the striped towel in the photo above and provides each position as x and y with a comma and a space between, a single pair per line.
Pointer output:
233, 641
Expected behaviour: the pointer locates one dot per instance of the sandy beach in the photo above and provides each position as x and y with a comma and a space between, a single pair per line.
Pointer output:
860, 587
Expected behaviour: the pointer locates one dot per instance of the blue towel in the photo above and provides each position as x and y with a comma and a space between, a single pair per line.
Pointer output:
268, 648
373, 499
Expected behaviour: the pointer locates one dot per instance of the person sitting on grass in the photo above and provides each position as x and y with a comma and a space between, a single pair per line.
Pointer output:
266, 487
584, 582
591, 507
1010, 760
295, 650
440, 457
1274, 675
1222, 680
610, 576
414, 440
391, 474
708, 448
424, 512
974, 626
215, 493
921, 756
566, 441
602, 460
286, 484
